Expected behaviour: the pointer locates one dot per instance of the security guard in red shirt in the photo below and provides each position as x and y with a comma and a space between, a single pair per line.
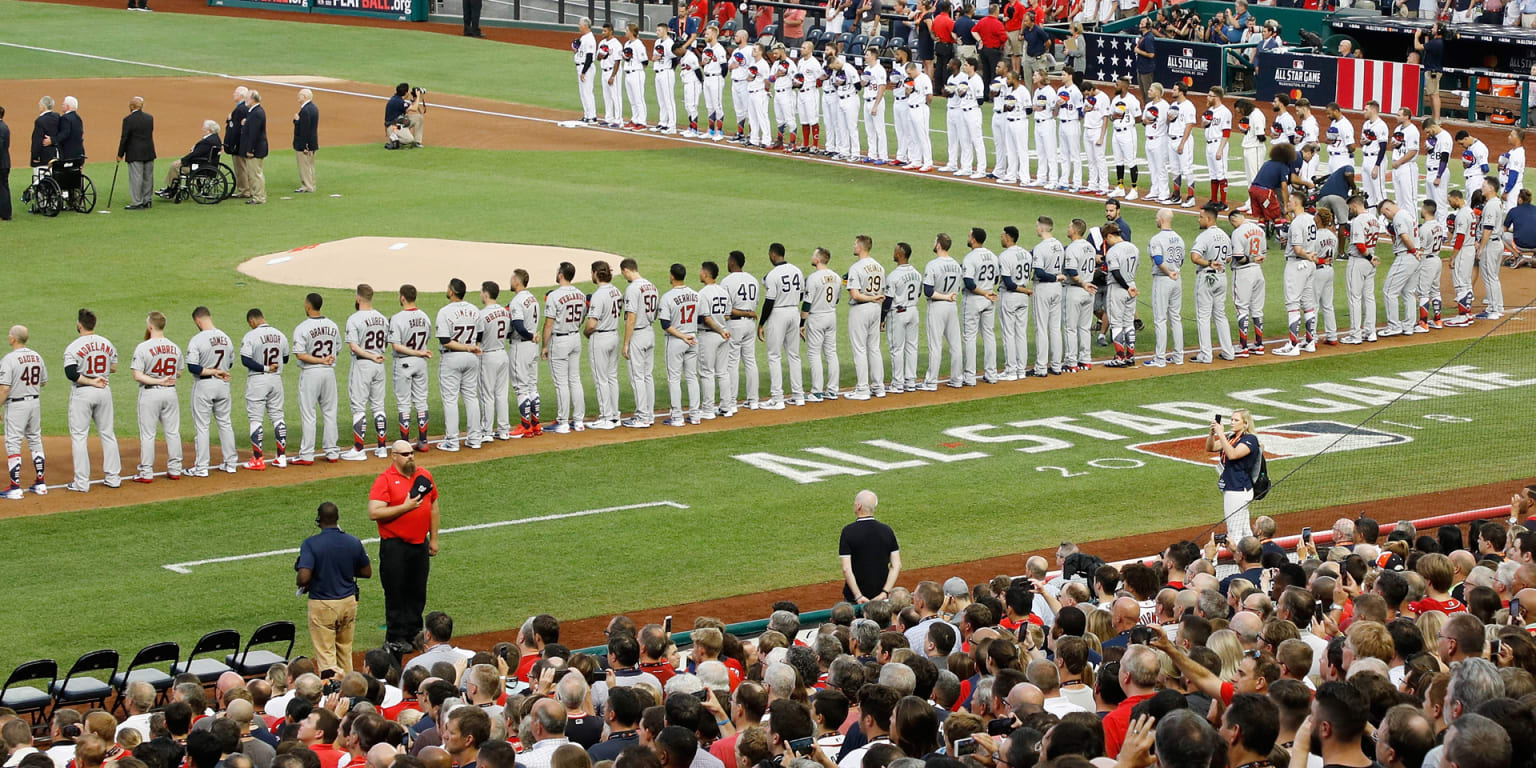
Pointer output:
403, 502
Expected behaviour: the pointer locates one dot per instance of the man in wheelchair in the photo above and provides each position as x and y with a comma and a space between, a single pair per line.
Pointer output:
205, 153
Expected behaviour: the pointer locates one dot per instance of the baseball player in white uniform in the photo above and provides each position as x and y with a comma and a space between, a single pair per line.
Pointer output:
823, 289
690, 69
1490, 251
1251, 125
741, 57
88, 362
979, 270
919, 96
1181, 134
1299, 283
1307, 134
781, 77
847, 82
1069, 138
601, 328
1463, 228
1405, 161
22, 376
1125, 115
1248, 246
316, 342
264, 352
409, 330
1217, 122
832, 105
714, 315
585, 52
1360, 275
495, 365
1156, 115
712, 60
1121, 260
367, 337
1373, 153
458, 333
1400, 287
634, 77
664, 56
610, 54
942, 284
1322, 277
1439, 147
1048, 263
759, 69
783, 289
1474, 162
156, 365
641, 303
1047, 162
902, 287
1339, 138
565, 309
1431, 240
1512, 168
1167, 251
875, 86
1078, 264
1015, 266
866, 292
743, 289
1095, 136
210, 360
901, 112
1011, 135
523, 314
808, 76
679, 318
1210, 253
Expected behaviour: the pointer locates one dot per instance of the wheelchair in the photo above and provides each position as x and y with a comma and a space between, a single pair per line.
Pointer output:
208, 182
59, 186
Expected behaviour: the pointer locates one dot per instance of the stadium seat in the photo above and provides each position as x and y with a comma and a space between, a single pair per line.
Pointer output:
84, 689
255, 663
771, 31
856, 45
139, 669
843, 40
729, 29
877, 42
207, 671
814, 37
26, 699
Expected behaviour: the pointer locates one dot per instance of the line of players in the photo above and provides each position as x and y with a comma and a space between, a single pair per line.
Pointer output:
1074, 124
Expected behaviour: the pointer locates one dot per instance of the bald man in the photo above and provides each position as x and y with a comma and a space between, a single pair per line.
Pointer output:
137, 147
1125, 613
1248, 626
22, 376
434, 757
869, 553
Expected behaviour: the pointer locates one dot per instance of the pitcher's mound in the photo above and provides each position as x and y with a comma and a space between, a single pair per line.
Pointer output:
427, 263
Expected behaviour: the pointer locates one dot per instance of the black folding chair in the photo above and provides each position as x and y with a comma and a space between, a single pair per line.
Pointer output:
27, 699
255, 663
207, 670
78, 688
139, 670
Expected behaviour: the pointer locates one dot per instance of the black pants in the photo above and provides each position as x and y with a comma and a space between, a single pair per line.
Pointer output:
5, 194
403, 569
942, 54
989, 59
472, 17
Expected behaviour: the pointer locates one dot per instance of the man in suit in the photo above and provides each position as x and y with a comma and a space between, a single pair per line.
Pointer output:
69, 138
202, 152
306, 139
232, 128
43, 129
137, 146
253, 146
472, 18
5, 168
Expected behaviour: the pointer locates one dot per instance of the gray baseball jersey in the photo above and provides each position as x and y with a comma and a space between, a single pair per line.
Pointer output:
317, 337
785, 284
369, 330
942, 274
159, 407
605, 307
823, 290
460, 322
410, 328
642, 299
980, 266
267, 346
24, 372
211, 399
904, 285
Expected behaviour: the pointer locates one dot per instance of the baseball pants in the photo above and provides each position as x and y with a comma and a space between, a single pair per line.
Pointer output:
1429, 286
1492, 259
1253, 158
317, 394
264, 401
1438, 189
23, 419
973, 151
1235, 507
864, 339
1157, 167
211, 404
1373, 187
613, 97
1167, 316
584, 89
458, 378
1211, 308
1045, 153
1400, 292
714, 98
784, 123
1339, 157
495, 378
1015, 332
565, 369
524, 356
1183, 166
952, 129
642, 373
1322, 288
902, 118
712, 355
1215, 162
1120, 309
1077, 348
743, 355
741, 106
1001, 145
603, 357
1049, 346
1360, 289
692, 87
762, 129
821, 345
980, 316
1248, 299
159, 408
783, 337
1461, 278
808, 108
634, 89
901, 331
365, 392
944, 330
1017, 166
922, 138
410, 374
850, 107
1098, 164
1405, 186
87, 406
1125, 148
666, 98
682, 366
1070, 148
874, 129
1300, 300
834, 115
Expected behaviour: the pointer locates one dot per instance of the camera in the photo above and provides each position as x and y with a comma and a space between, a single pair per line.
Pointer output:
803, 746
331, 686
966, 746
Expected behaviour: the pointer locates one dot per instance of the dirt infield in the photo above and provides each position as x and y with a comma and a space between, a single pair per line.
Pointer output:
419, 260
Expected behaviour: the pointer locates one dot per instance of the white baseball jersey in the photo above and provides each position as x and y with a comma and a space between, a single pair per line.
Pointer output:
1069, 101
1341, 143
1307, 132
605, 306
1283, 128
663, 54
903, 285
781, 78
316, 337
1404, 138
410, 328
1248, 243
1212, 245
91, 355
1045, 104
757, 75
823, 289
24, 372
811, 72
867, 276
1124, 257
586, 45
1096, 110
922, 88
942, 275
1439, 149
495, 327
642, 299
1252, 125
459, 321
1218, 124
785, 285
714, 59
1125, 110
1167, 248
688, 64
1016, 264
1512, 166
980, 267
1302, 236
368, 329
634, 56
1180, 117
740, 59
610, 52
157, 358
1373, 138
1475, 158
566, 308
743, 290
1157, 116
523, 307
875, 75
680, 309
265, 345
211, 349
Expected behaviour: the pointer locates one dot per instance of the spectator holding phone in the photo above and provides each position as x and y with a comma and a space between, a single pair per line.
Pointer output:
1239, 455
403, 502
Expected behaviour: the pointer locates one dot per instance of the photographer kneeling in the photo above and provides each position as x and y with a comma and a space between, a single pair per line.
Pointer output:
405, 117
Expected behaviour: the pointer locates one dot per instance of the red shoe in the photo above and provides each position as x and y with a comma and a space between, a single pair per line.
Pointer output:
173, 477
144, 480
1332, 342
255, 465
538, 429
422, 447
302, 462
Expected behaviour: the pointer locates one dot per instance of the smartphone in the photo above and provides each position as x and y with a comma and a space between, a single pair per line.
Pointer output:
966, 746
802, 747
1319, 612
1218, 418
702, 694
1221, 539
1493, 649
666, 625
1517, 612
1306, 534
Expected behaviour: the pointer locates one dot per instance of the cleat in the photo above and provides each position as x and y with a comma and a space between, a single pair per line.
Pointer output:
1436, 324
604, 424
1155, 362
77, 488
1257, 350
383, 453
40, 489
172, 477
579, 426
830, 394
1227, 357
955, 384
503, 434
1055, 371
928, 386
421, 446
1310, 346
772, 405
812, 397
1289, 350
753, 405
1178, 359
1371, 339
1349, 340
978, 176
676, 421
895, 389
14, 493
256, 465
1332, 342
1188, 203
448, 446
1390, 332
694, 420
560, 428
1489, 315
138, 479
711, 415
1103, 340
281, 462
1131, 195
475, 446
1242, 354
1034, 373
989, 378
634, 423
1085, 366
879, 393
355, 455
799, 401
303, 462
857, 395
1010, 376
1201, 359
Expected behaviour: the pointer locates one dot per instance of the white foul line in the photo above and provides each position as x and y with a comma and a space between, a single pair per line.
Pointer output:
187, 566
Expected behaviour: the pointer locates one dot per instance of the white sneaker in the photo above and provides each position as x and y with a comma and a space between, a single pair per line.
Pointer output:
1116, 192
1189, 202
961, 172
978, 175
503, 434
604, 424
929, 386
381, 453
796, 402
194, 472
1390, 332
1131, 195
354, 455
1009, 376
773, 405
946, 169
1156, 362
925, 168
448, 447
14, 494
1310, 346
1289, 350
676, 421
709, 415
579, 426
281, 461
560, 428
857, 395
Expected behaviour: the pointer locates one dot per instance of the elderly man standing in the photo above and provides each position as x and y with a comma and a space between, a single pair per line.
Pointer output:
253, 147
869, 552
137, 146
69, 138
233, 126
45, 125
306, 139
329, 565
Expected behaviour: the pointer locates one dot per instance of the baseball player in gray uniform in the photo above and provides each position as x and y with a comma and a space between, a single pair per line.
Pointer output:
1015, 266
565, 309
742, 287
823, 289
1079, 263
495, 364
1047, 263
22, 376
88, 361
714, 314
1300, 292
458, 332
210, 360
866, 292
367, 337
1322, 277
902, 287
1400, 287
979, 270
783, 287
1464, 231
264, 352
409, 330
1490, 250
601, 329
523, 314
1248, 246
156, 364
316, 342
641, 303
1360, 276
1210, 253
1167, 251
679, 317
1431, 240
941, 284
1121, 259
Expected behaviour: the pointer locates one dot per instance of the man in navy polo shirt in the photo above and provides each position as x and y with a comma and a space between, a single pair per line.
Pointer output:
1146, 58
329, 565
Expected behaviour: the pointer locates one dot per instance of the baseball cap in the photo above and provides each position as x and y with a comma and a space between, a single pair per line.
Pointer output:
955, 586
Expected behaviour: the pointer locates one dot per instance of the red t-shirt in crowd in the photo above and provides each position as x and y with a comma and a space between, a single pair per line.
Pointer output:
393, 713
661, 670
1015, 13
990, 32
1430, 604
525, 665
725, 12
1118, 721
392, 488
944, 28
763, 18
329, 755
699, 9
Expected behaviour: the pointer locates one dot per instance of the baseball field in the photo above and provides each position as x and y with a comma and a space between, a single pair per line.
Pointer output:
594, 523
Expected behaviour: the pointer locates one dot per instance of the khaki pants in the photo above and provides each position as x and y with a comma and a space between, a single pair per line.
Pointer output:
417, 123
170, 176
256, 183
306, 170
331, 623
242, 180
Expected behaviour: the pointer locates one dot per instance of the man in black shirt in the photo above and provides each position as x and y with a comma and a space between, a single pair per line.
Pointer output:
870, 556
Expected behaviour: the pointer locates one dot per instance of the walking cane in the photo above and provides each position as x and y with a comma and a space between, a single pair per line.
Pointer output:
113, 188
